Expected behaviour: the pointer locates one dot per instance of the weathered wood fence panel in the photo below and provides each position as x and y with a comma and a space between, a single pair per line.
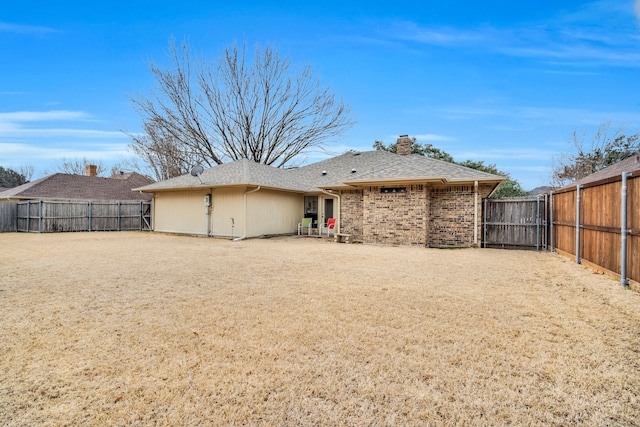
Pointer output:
564, 221
595, 213
62, 216
8, 216
514, 223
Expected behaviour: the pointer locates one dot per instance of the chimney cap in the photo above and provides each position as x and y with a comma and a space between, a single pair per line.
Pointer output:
404, 136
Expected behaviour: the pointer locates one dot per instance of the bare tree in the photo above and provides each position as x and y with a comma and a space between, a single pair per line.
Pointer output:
27, 172
605, 148
260, 110
78, 167
164, 156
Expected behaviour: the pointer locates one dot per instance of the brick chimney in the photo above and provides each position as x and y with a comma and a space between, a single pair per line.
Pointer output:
403, 145
91, 170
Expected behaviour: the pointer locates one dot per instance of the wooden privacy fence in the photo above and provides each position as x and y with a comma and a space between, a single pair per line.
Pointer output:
45, 216
515, 223
600, 223
8, 212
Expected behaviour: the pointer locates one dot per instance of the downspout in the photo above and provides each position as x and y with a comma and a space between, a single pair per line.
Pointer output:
475, 214
208, 210
244, 236
337, 196
624, 231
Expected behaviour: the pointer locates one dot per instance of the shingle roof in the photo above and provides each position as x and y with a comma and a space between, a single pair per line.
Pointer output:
241, 172
630, 164
79, 187
343, 171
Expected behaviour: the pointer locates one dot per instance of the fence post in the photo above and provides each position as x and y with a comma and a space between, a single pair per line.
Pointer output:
141, 214
538, 223
39, 216
545, 215
578, 187
624, 231
89, 208
551, 247
484, 221
28, 216
118, 226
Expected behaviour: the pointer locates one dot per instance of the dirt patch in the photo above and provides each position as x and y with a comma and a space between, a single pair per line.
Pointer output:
140, 328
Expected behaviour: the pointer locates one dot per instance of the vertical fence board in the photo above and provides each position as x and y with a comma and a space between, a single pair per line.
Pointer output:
8, 216
67, 216
514, 223
600, 223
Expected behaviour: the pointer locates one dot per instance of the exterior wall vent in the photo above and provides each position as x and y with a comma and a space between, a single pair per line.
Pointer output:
393, 190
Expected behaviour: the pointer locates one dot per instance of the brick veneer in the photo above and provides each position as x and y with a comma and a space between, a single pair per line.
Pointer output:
396, 218
423, 215
351, 213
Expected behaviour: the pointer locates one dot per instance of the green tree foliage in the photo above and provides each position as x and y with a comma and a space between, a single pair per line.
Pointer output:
605, 148
10, 178
509, 187
427, 150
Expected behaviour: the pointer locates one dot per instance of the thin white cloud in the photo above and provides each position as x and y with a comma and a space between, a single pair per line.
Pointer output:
598, 33
433, 137
16, 153
438, 36
7, 27
491, 155
29, 124
539, 115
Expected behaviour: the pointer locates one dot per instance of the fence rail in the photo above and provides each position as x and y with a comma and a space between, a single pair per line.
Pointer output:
515, 223
46, 216
600, 223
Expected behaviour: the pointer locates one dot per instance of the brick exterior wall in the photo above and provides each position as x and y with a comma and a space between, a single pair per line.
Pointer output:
452, 215
423, 215
396, 218
351, 213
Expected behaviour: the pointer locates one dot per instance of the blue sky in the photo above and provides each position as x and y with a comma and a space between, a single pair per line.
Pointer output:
501, 81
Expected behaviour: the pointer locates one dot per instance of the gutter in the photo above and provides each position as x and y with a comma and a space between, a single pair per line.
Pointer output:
244, 236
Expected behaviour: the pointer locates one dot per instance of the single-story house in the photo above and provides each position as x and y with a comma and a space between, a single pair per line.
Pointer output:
375, 196
62, 186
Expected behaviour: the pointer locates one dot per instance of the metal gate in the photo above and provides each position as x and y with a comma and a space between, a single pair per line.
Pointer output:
515, 223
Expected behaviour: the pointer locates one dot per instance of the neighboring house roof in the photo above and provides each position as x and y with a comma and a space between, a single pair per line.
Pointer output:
538, 191
79, 187
346, 170
630, 164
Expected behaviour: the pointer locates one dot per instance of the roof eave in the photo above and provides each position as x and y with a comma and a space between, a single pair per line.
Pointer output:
391, 181
214, 186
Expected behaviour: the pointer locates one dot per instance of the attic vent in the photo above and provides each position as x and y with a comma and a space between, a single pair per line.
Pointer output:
324, 173
353, 171
393, 190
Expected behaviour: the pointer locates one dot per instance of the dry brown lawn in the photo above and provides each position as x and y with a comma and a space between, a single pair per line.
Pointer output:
150, 329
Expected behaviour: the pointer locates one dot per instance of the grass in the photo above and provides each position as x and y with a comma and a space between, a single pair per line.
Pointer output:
139, 329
